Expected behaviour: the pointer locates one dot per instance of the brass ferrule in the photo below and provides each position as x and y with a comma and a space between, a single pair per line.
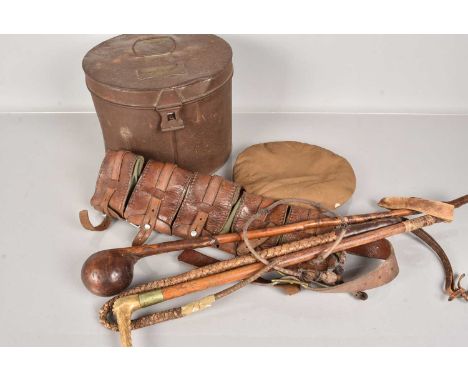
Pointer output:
150, 298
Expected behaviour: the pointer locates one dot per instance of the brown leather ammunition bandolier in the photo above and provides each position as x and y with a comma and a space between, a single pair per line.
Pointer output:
165, 198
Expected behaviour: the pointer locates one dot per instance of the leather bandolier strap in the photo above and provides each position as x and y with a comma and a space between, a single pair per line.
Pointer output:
385, 272
156, 199
174, 201
206, 207
171, 200
113, 187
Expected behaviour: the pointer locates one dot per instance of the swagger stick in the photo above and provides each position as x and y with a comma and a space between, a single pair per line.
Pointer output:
108, 272
222, 266
125, 306
106, 276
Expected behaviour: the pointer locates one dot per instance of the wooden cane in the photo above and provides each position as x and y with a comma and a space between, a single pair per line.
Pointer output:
124, 307
108, 272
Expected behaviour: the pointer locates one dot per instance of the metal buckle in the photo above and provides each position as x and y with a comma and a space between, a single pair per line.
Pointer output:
170, 118
168, 106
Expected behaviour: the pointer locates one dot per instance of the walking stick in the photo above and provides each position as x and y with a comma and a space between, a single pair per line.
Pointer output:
124, 305
108, 272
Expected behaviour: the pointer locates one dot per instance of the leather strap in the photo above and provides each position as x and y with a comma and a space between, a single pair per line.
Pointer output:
107, 185
195, 258
250, 205
205, 206
386, 271
383, 274
86, 223
451, 288
151, 215
117, 165
148, 222
113, 182
104, 205
442, 211
198, 223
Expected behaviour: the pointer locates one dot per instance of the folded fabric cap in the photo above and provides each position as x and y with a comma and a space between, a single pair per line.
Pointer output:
289, 169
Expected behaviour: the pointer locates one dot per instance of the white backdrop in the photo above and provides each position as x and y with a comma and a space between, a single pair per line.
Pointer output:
273, 73
52, 176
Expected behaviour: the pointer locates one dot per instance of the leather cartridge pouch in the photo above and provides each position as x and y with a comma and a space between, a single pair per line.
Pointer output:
206, 207
175, 201
157, 198
250, 204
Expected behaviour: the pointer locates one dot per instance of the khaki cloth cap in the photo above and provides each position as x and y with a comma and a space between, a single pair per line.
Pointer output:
289, 169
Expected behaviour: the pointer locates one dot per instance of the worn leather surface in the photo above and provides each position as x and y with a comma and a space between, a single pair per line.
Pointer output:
385, 272
175, 201
297, 214
250, 205
206, 207
164, 183
114, 183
